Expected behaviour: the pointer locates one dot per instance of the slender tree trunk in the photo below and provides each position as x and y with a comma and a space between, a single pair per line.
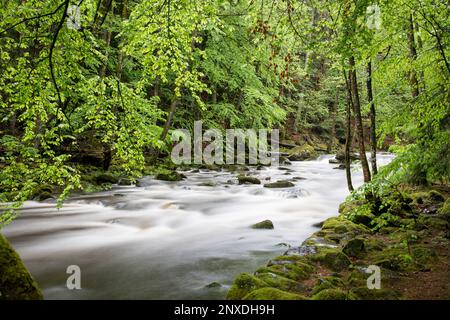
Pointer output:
173, 107
413, 55
358, 118
348, 134
373, 136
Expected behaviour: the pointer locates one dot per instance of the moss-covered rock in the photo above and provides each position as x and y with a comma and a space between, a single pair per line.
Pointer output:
354, 247
332, 258
363, 293
248, 180
125, 182
16, 283
266, 224
243, 285
170, 176
279, 184
279, 282
106, 178
303, 152
300, 153
298, 271
43, 193
328, 282
331, 294
272, 294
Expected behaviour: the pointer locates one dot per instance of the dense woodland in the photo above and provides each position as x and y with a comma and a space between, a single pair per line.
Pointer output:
107, 90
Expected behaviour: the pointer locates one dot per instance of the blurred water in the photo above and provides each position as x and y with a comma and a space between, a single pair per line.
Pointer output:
169, 240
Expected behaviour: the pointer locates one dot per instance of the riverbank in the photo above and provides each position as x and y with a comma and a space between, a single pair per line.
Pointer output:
404, 231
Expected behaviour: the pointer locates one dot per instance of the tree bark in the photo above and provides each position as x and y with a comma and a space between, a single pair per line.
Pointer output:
173, 107
373, 136
348, 134
413, 55
358, 118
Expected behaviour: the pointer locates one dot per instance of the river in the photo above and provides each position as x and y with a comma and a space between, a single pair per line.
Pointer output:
169, 240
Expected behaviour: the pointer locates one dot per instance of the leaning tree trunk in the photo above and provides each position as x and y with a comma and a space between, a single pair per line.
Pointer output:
358, 118
373, 137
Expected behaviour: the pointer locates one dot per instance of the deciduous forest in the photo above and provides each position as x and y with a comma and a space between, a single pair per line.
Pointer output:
92, 90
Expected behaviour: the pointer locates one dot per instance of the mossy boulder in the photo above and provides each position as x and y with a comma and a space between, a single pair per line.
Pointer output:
279, 184
243, 285
328, 282
106, 178
279, 282
272, 294
170, 176
16, 282
364, 293
300, 153
266, 224
298, 271
332, 258
331, 294
354, 247
248, 180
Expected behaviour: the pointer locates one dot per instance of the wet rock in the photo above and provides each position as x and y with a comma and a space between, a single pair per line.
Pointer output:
340, 156
340, 167
300, 153
170, 176
279, 184
213, 285
266, 224
248, 180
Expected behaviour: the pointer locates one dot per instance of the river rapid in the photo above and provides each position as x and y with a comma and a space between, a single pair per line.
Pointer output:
170, 240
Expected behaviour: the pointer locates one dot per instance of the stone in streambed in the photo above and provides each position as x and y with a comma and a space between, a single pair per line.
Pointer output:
248, 180
266, 224
170, 176
279, 184
354, 247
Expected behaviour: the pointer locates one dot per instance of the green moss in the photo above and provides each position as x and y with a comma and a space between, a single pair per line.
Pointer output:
332, 258
266, 224
244, 284
354, 247
272, 294
16, 283
303, 152
296, 271
342, 225
331, 294
364, 293
106, 178
423, 256
279, 282
329, 282
445, 209
169, 176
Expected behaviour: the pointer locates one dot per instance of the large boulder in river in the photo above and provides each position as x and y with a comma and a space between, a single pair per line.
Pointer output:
340, 157
170, 176
16, 282
304, 152
279, 184
266, 224
248, 180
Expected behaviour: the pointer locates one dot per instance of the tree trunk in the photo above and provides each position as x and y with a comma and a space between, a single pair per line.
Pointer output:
358, 118
348, 134
373, 136
413, 55
173, 107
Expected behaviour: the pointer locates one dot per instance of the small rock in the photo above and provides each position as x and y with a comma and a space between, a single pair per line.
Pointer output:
266, 224
248, 180
279, 184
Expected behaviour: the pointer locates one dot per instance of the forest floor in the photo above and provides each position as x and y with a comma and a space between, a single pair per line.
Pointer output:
408, 241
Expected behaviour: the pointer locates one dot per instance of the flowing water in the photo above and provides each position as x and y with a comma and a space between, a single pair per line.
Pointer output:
169, 240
